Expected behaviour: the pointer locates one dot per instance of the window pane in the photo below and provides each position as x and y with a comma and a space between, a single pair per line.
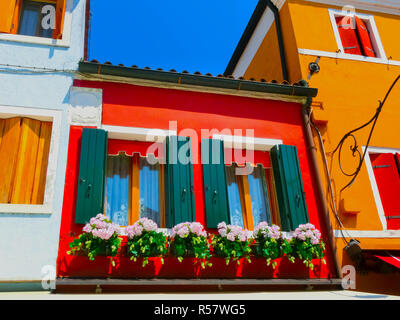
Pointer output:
46, 33
29, 20
234, 199
149, 191
117, 189
259, 196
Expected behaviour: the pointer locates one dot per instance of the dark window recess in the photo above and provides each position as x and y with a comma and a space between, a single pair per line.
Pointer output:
31, 20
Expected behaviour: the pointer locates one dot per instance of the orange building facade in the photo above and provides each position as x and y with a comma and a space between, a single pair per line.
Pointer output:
352, 55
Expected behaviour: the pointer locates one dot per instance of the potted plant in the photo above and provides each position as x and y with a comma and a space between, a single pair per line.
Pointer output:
307, 244
189, 239
270, 243
231, 243
145, 240
100, 237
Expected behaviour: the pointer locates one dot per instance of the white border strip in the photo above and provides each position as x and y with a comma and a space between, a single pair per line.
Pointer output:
346, 56
368, 233
137, 134
44, 115
254, 44
245, 142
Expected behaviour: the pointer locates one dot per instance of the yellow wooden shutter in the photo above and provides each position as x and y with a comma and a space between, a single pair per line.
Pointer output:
60, 15
134, 182
8, 156
6, 15
26, 162
24, 152
39, 181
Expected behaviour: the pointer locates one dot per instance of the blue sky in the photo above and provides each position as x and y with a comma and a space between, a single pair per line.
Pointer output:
175, 34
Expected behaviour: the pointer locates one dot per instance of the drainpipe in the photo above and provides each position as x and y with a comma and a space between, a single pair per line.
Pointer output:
320, 189
275, 11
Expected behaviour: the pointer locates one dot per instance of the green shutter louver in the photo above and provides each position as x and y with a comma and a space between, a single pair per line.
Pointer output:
92, 166
179, 183
289, 187
215, 192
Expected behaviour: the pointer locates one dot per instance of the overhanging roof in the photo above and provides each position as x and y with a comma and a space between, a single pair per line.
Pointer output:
299, 89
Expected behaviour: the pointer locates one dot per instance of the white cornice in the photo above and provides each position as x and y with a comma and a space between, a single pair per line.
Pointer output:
383, 6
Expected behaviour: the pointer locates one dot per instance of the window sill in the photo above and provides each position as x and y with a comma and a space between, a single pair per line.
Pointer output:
34, 40
30, 209
346, 56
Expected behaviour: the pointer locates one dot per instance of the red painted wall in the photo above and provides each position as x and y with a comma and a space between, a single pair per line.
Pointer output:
149, 107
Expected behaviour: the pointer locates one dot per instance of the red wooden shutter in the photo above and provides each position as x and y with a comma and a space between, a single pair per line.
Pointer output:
388, 179
348, 35
364, 37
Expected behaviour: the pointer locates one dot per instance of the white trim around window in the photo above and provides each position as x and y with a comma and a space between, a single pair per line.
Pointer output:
373, 31
378, 234
247, 142
345, 56
55, 116
374, 185
66, 37
137, 134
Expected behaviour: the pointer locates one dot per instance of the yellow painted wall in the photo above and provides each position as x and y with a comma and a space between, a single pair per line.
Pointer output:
266, 63
267, 59
313, 28
349, 91
348, 97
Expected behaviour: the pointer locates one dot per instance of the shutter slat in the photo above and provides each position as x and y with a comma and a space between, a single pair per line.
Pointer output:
364, 37
215, 188
90, 194
179, 177
289, 187
348, 35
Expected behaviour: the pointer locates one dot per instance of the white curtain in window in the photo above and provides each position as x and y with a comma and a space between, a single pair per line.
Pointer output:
149, 190
117, 189
234, 200
259, 196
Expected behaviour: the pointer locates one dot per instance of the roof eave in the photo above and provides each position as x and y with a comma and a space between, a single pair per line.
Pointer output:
197, 80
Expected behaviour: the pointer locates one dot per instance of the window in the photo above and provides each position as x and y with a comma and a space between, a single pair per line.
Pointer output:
249, 197
272, 192
386, 169
119, 178
24, 153
134, 189
25, 17
31, 17
357, 34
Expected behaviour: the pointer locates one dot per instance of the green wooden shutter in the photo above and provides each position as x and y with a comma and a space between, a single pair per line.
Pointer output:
215, 193
289, 187
179, 183
92, 166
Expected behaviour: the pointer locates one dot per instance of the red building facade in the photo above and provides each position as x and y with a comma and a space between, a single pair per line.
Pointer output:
206, 108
